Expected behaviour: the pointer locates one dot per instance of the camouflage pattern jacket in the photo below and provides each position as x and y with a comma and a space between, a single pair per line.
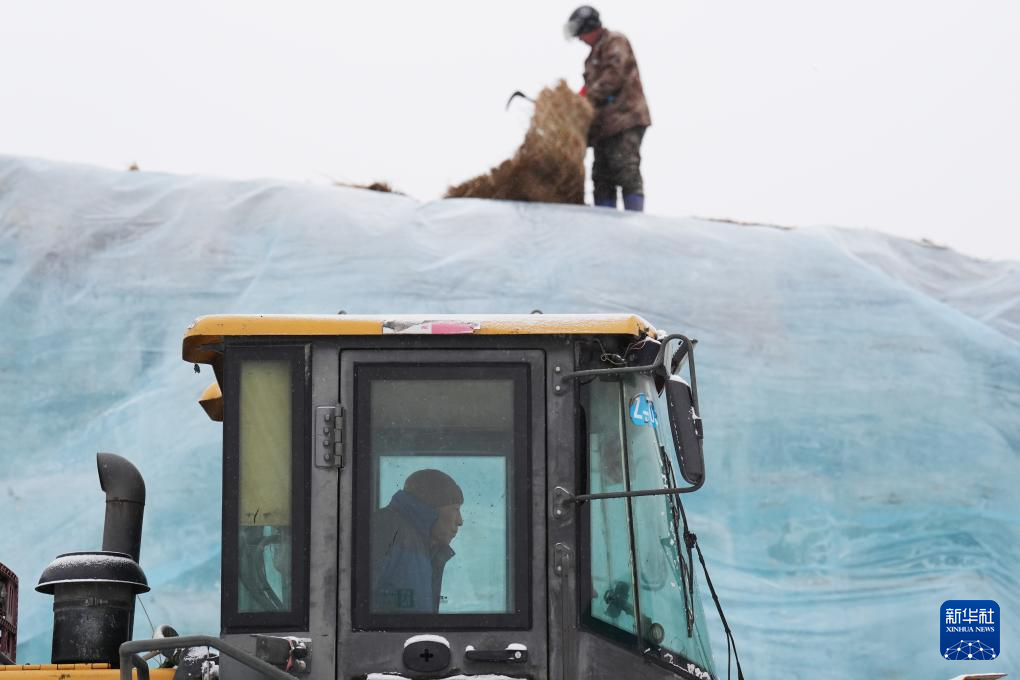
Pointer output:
613, 85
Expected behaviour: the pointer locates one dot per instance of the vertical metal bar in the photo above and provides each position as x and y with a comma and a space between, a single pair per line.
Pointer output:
630, 517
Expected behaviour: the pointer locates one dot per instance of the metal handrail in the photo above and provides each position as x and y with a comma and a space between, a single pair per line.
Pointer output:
129, 655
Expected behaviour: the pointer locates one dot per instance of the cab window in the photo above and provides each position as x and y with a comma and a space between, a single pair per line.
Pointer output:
265, 518
611, 567
661, 574
441, 519
629, 449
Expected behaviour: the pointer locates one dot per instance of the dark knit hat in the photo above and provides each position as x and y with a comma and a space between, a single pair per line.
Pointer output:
434, 488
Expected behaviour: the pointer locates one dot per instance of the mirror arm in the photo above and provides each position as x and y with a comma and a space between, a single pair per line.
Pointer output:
573, 375
687, 346
689, 356
657, 364
567, 497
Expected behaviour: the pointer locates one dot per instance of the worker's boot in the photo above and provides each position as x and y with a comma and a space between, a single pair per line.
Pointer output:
635, 202
606, 202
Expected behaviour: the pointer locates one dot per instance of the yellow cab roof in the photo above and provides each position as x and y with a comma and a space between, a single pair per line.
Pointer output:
206, 332
211, 330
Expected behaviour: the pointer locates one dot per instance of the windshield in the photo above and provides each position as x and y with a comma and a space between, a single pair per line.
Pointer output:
629, 450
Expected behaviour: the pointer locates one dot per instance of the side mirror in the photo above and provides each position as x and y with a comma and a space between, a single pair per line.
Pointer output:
685, 426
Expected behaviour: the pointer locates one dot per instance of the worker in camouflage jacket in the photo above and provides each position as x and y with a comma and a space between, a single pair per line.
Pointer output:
612, 84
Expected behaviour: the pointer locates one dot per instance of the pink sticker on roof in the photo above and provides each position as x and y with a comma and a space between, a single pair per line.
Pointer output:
431, 327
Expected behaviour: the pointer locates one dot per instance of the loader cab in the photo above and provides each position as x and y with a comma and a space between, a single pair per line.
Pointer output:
434, 496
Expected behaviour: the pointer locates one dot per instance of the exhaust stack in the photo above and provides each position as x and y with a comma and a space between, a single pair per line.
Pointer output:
94, 592
125, 504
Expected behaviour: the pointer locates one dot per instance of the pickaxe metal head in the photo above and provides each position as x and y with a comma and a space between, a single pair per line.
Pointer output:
518, 93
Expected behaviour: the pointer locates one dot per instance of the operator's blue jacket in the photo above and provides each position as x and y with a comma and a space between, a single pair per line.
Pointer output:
407, 570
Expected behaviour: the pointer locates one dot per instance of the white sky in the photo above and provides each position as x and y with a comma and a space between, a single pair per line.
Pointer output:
897, 115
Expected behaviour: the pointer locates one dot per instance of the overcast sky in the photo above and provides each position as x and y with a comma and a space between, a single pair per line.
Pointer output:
896, 115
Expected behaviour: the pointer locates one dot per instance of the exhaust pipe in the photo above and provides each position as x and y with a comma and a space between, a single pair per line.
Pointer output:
125, 504
94, 592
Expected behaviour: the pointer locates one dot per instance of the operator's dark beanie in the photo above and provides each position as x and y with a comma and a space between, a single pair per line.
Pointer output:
434, 488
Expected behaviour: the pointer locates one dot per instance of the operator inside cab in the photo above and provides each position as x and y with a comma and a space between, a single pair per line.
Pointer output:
439, 474
411, 542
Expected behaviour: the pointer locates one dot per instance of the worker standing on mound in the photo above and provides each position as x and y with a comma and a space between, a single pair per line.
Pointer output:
613, 85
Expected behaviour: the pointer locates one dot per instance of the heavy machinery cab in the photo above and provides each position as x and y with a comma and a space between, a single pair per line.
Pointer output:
423, 497
426, 496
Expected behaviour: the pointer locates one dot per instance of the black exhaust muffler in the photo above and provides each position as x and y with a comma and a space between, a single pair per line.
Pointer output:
94, 592
125, 504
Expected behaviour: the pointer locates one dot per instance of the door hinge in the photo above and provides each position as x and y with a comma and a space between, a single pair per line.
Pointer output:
329, 436
563, 556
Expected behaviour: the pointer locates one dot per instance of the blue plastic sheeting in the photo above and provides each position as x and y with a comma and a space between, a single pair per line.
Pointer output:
861, 394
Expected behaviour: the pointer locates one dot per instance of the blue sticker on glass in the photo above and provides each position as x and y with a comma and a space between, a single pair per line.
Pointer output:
642, 411
970, 630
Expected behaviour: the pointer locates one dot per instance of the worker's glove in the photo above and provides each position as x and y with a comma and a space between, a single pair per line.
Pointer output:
583, 91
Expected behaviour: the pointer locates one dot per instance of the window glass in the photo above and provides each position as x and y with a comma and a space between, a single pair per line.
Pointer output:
626, 423
468, 585
612, 578
659, 567
264, 498
443, 458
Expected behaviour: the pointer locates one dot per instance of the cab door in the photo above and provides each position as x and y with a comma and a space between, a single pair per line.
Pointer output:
442, 522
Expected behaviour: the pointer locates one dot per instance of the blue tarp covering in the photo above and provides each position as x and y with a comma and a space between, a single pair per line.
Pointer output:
861, 393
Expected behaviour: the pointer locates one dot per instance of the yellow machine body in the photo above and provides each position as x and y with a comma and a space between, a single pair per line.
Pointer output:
73, 671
